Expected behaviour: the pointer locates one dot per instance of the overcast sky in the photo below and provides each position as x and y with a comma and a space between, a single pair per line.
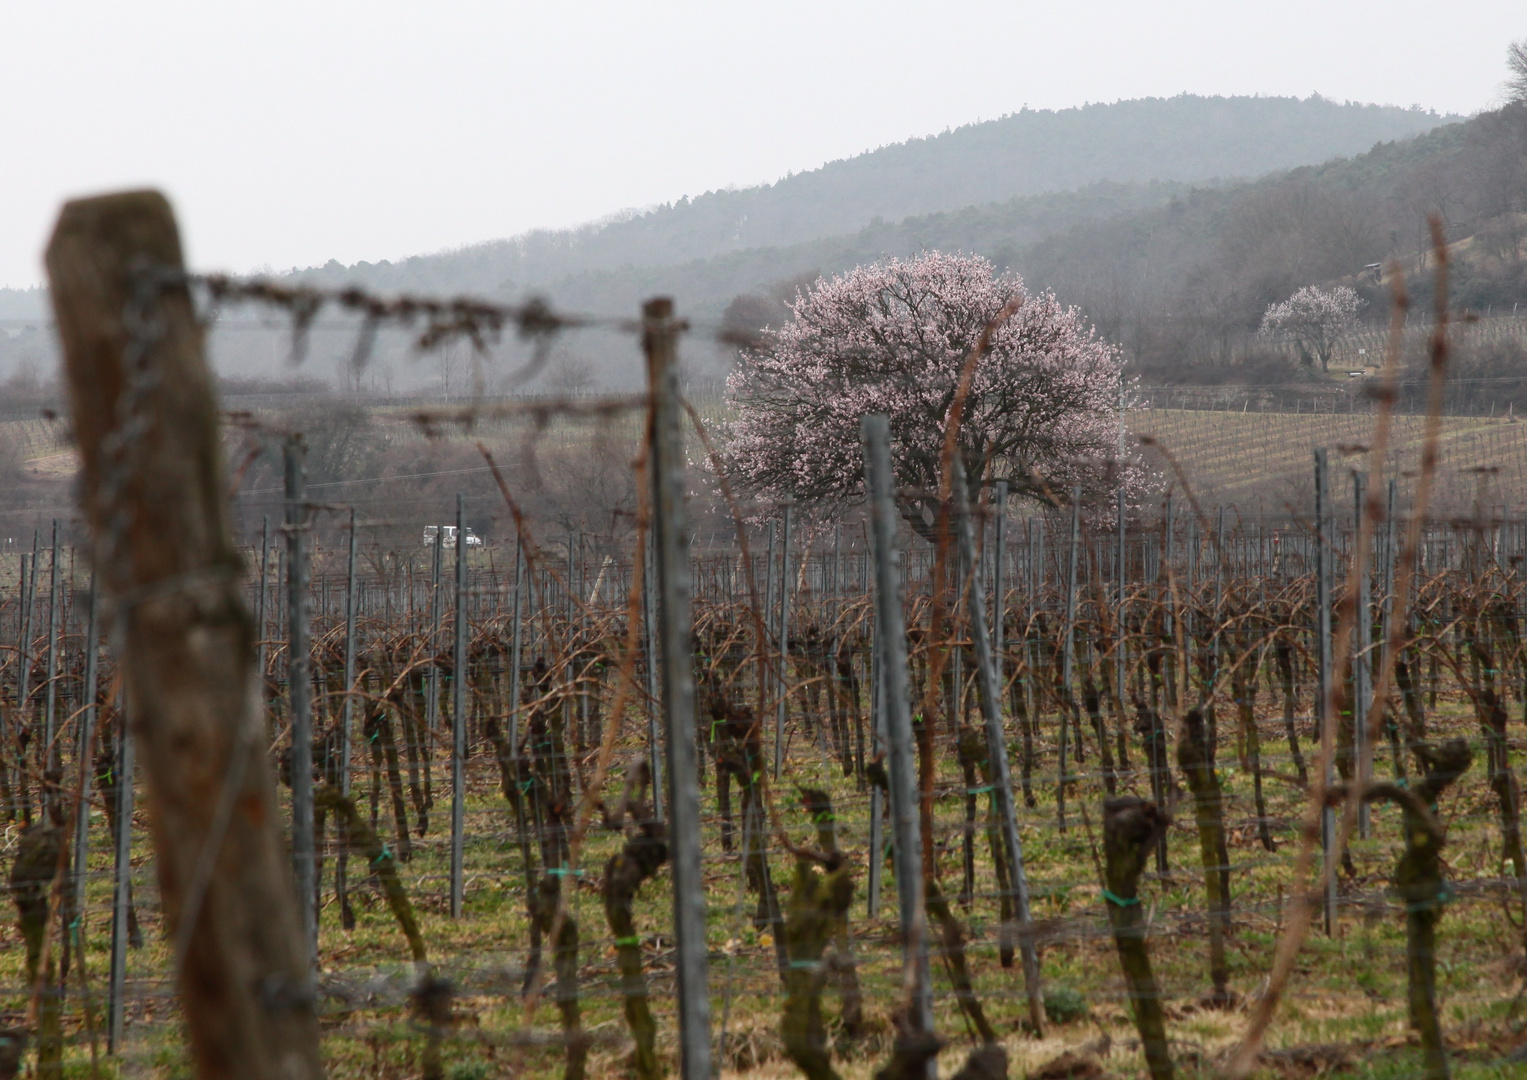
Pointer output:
289, 133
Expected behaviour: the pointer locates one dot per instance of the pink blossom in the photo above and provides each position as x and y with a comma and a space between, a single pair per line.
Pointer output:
891, 338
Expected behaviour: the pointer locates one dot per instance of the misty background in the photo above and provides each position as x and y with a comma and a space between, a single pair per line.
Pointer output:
1201, 210
1172, 173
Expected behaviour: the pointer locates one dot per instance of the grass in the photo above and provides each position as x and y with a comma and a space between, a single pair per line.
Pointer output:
1348, 995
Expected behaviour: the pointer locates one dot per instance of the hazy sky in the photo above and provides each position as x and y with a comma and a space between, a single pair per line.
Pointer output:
289, 133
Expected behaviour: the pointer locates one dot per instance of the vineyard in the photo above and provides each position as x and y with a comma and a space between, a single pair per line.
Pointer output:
544, 694
1180, 785
1260, 462
1257, 462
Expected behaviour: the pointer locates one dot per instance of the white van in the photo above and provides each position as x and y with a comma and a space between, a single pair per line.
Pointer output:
432, 531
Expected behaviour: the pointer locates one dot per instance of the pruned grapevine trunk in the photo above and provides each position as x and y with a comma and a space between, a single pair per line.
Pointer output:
1208, 808
1283, 652
645, 850
363, 840
1131, 827
38, 862
820, 895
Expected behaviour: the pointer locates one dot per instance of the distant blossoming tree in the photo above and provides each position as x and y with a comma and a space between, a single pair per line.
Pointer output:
1043, 409
1315, 319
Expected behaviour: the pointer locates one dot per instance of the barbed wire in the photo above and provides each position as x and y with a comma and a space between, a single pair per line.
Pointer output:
571, 631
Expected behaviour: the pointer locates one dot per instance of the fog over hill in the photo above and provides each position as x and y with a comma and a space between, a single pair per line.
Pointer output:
1188, 139
1027, 190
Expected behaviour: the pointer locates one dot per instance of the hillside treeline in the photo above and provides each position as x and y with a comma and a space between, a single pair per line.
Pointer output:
1184, 284
1188, 138
1170, 260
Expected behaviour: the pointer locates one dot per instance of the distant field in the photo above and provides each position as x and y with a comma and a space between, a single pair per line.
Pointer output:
1261, 462
1266, 459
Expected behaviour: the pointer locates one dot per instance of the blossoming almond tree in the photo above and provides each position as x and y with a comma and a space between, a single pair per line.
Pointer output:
1315, 319
1042, 413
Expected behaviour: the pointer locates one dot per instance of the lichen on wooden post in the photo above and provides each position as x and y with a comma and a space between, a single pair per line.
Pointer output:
155, 494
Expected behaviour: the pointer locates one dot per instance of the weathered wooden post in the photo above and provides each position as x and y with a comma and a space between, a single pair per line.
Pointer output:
155, 496
1196, 757
676, 636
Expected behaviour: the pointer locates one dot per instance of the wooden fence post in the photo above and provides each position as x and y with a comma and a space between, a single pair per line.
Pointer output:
155, 495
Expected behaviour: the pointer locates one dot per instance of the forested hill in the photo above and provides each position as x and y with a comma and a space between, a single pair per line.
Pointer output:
1180, 139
